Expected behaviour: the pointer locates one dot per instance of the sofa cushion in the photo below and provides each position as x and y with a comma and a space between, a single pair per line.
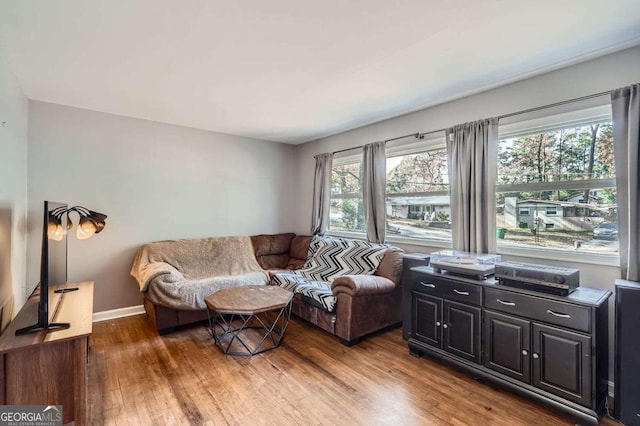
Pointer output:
319, 291
299, 251
333, 257
300, 246
272, 250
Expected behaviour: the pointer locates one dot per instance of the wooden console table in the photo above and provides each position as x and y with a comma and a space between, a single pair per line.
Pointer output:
50, 368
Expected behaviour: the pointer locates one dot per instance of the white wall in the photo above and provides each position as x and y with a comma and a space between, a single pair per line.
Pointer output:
154, 181
13, 189
598, 75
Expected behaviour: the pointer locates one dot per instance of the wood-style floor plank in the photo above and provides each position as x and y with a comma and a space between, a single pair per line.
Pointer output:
137, 377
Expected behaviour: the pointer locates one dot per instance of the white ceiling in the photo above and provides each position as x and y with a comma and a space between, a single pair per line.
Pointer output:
294, 70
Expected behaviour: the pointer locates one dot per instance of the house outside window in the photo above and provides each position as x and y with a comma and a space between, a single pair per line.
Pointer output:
418, 203
556, 182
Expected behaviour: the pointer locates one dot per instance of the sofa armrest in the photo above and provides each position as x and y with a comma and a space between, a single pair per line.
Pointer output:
361, 285
149, 272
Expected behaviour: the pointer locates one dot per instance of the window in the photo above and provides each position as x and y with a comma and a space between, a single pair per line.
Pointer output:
347, 211
418, 204
417, 192
556, 185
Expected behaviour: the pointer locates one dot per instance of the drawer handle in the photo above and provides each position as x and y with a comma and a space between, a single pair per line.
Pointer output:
555, 314
506, 303
428, 284
464, 293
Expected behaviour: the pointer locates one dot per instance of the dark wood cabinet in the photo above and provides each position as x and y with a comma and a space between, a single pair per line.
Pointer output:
551, 348
427, 319
507, 345
438, 320
409, 260
562, 363
461, 330
548, 357
447, 325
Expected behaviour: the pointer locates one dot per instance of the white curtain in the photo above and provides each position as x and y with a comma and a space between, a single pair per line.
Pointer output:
321, 194
374, 185
471, 158
625, 104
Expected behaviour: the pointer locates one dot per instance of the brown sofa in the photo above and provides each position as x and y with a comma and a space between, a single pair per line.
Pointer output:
365, 303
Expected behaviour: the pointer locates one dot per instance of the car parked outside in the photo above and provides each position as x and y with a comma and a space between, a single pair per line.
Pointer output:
606, 230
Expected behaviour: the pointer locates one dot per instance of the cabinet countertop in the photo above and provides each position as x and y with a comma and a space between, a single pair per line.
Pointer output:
582, 295
75, 307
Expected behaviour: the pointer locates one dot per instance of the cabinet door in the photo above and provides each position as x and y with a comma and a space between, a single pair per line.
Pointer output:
461, 330
427, 318
562, 363
507, 343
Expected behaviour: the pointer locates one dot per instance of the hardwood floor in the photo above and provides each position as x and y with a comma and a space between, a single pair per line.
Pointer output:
139, 377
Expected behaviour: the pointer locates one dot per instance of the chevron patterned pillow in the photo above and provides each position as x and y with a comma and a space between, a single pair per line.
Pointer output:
333, 257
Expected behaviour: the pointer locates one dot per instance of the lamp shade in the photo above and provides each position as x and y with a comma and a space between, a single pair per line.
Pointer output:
55, 231
89, 223
86, 228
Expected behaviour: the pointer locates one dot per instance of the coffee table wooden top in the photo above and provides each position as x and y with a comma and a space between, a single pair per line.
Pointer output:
248, 299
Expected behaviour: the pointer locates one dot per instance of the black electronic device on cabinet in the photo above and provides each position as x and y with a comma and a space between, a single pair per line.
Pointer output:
627, 349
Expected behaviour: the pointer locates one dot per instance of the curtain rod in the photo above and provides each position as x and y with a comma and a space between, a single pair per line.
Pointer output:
420, 135
415, 135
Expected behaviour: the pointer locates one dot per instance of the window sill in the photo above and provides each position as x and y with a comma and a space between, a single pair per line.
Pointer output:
347, 234
563, 255
394, 239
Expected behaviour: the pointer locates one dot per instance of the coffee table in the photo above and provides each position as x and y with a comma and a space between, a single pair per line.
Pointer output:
248, 320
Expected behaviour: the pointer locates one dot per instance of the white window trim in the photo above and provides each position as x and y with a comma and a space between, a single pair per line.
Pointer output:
347, 234
550, 121
422, 242
397, 150
604, 259
342, 161
557, 185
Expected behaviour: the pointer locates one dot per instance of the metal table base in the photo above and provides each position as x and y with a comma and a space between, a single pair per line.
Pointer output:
236, 334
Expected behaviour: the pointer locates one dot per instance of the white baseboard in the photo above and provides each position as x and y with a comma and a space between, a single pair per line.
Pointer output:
118, 313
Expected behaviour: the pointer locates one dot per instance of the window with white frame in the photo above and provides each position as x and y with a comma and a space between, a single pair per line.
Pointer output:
556, 182
346, 211
418, 203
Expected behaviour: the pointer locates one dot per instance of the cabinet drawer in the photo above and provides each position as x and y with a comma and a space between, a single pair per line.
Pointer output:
448, 289
540, 309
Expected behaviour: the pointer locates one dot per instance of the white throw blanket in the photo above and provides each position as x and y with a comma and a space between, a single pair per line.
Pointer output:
182, 273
